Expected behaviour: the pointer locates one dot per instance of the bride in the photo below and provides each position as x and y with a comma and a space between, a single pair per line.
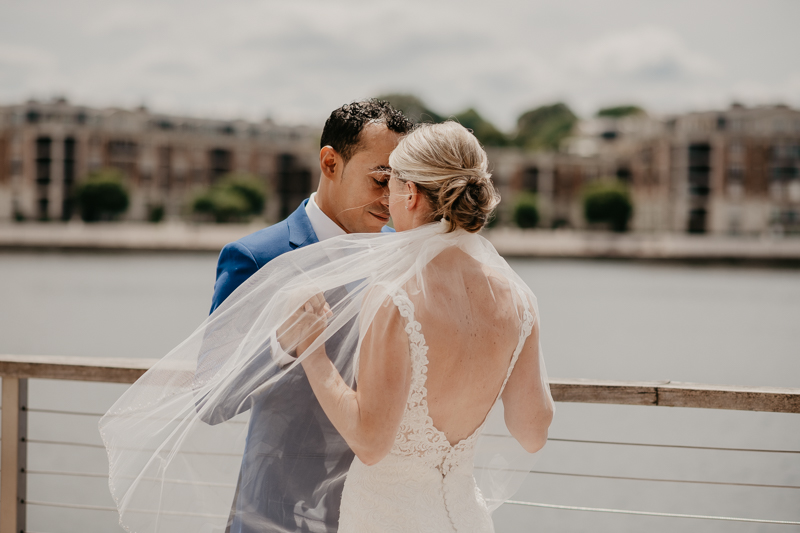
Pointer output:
409, 341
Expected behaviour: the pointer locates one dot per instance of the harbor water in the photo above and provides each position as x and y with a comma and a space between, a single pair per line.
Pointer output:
611, 320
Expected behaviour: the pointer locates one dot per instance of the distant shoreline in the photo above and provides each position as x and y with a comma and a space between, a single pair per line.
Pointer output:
511, 243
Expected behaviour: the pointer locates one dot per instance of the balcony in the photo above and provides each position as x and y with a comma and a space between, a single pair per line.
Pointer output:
16, 371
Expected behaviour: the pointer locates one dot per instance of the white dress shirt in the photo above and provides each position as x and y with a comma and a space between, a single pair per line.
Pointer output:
323, 226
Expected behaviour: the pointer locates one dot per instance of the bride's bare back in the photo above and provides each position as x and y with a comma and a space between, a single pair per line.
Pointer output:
471, 321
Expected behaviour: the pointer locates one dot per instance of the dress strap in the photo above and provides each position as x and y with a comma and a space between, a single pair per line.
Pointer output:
417, 345
525, 330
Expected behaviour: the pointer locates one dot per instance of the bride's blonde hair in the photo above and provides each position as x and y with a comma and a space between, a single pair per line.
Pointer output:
450, 168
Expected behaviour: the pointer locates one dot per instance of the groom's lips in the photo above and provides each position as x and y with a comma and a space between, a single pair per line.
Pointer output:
382, 218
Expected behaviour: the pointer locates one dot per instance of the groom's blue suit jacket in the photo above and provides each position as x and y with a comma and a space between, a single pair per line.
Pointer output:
291, 445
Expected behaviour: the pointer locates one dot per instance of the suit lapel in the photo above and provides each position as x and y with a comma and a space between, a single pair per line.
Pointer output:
301, 233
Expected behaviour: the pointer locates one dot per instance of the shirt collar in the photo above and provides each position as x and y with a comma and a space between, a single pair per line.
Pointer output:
323, 226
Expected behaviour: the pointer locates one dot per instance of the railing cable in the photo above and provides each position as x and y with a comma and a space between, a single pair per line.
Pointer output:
85, 413
661, 480
107, 508
648, 513
59, 412
102, 447
65, 443
165, 480
569, 474
681, 446
65, 473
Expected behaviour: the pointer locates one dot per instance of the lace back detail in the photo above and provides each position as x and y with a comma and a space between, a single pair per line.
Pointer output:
417, 435
425, 483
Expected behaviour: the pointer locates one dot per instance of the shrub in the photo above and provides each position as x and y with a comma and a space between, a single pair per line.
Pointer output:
155, 213
494, 219
249, 188
608, 201
526, 214
102, 196
235, 198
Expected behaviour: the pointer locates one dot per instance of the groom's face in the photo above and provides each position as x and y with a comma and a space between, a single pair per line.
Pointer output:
362, 189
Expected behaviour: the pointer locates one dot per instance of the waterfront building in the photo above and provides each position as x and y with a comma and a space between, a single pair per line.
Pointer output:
735, 171
47, 147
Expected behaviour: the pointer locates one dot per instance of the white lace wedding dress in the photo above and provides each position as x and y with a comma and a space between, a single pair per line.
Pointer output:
425, 484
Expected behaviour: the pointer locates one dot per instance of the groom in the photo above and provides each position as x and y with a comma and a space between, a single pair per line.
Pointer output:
290, 440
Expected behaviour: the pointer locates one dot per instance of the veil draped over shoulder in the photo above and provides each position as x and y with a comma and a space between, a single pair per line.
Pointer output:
176, 438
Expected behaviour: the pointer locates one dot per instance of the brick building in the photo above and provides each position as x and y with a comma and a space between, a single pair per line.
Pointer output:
46, 148
735, 171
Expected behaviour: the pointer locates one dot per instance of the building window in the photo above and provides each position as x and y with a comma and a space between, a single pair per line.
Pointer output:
165, 167
697, 220
294, 183
530, 179
699, 169
5, 165
69, 178
43, 160
220, 162
735, 173
122, 155
624, 174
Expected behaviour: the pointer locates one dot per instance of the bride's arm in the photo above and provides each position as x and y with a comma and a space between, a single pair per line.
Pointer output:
369, 417
527, 403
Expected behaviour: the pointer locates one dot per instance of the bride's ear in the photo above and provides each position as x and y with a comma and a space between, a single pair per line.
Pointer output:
413, 195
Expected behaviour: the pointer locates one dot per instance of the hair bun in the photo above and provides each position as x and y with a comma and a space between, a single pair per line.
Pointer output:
448, 164
467, 202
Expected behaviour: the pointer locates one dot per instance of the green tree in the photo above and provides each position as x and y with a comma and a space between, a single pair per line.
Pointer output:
608, 201
102, 195
250, 188
235, 198
621, 111
526, 212
485, 131
545, 126
412, 107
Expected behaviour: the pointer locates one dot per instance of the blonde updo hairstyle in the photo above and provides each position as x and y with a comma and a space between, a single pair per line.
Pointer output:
449, 167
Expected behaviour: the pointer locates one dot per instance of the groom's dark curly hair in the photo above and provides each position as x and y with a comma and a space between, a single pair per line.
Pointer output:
342, 130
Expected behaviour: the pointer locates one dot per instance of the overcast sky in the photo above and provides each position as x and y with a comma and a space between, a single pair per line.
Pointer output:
296, 60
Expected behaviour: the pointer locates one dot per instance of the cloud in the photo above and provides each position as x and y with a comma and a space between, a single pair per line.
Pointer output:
23, 66
298, 60
12, 55
648, 54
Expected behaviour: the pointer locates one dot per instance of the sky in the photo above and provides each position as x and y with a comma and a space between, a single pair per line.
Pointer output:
296, 60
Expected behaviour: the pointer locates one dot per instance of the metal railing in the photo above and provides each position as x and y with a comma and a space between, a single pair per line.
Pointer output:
17, 370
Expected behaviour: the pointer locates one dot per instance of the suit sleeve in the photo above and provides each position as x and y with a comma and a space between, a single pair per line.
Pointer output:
234, 266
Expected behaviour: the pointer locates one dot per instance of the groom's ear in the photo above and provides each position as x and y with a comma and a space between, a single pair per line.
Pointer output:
330, 163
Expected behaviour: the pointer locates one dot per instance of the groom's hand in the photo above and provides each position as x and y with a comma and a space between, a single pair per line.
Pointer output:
303, 327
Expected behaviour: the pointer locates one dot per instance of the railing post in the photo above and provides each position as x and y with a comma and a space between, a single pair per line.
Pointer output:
13, 455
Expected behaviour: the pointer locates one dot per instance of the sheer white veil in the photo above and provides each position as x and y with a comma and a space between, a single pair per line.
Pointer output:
176, 438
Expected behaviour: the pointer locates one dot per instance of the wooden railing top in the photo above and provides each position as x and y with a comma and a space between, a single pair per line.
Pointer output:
661, 393
106, 369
